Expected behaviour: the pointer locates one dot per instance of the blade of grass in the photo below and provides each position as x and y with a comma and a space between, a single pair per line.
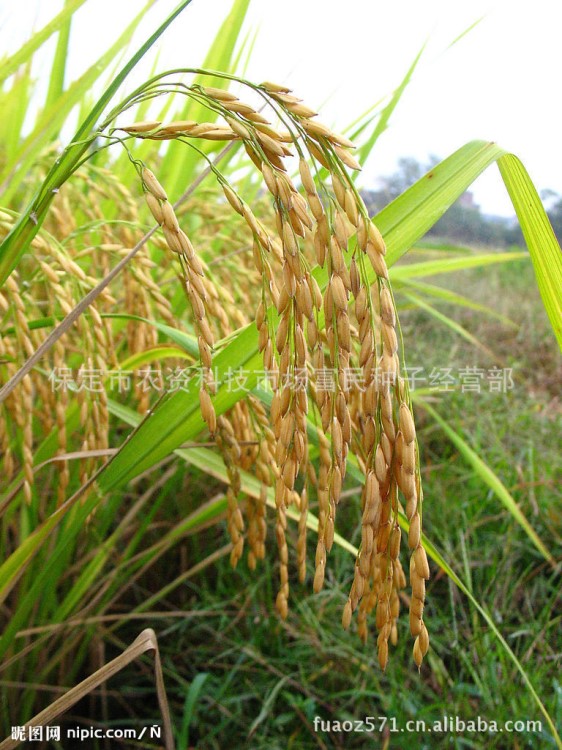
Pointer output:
456, 299
146, 641
385, 115
154, 354
539, 236
266, 707
56, 84
15, 103
19, 238
25, 52
449, 322
489, 478
465, 32
54, 116
189, 707
188, 342
450, 265
407, 218
179, 164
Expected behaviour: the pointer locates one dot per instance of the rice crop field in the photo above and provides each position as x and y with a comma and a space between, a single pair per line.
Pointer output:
276, 473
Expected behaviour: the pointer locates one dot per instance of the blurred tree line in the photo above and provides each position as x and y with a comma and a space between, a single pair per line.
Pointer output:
464, 221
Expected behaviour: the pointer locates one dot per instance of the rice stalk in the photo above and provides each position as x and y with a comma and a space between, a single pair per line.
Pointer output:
314, 333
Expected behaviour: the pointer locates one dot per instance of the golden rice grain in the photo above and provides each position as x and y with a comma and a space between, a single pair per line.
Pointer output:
155, 207
407, 426
221, 95
414, 532
349, 160
142, 127
422, 565
208, 411
274, 88
338, 292
232, 198
152, 184
387, 307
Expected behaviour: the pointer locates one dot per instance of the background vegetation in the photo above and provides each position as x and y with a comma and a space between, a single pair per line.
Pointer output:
464, 222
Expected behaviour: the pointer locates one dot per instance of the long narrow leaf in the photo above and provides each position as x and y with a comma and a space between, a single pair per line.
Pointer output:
407, 218
458, 300
539, 236
25, 53
449, 322
491, 479
54, 116
16, 242
179, 164
56, 84
450, 265
382, 122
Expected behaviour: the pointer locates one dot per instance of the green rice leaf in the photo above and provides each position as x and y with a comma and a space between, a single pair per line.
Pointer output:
452, 298
488, 477
420, 269
179, 164
14, 106
385, 115
15, 243
539, 236
25, 53
56, 84
407, 218
449, 322
153, 354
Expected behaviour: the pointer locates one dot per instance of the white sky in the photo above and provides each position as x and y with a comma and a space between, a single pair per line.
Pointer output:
501, 82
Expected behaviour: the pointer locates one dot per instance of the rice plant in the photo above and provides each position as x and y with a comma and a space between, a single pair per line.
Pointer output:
195, 282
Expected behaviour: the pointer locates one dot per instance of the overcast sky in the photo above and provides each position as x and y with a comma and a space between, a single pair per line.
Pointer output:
501, 82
